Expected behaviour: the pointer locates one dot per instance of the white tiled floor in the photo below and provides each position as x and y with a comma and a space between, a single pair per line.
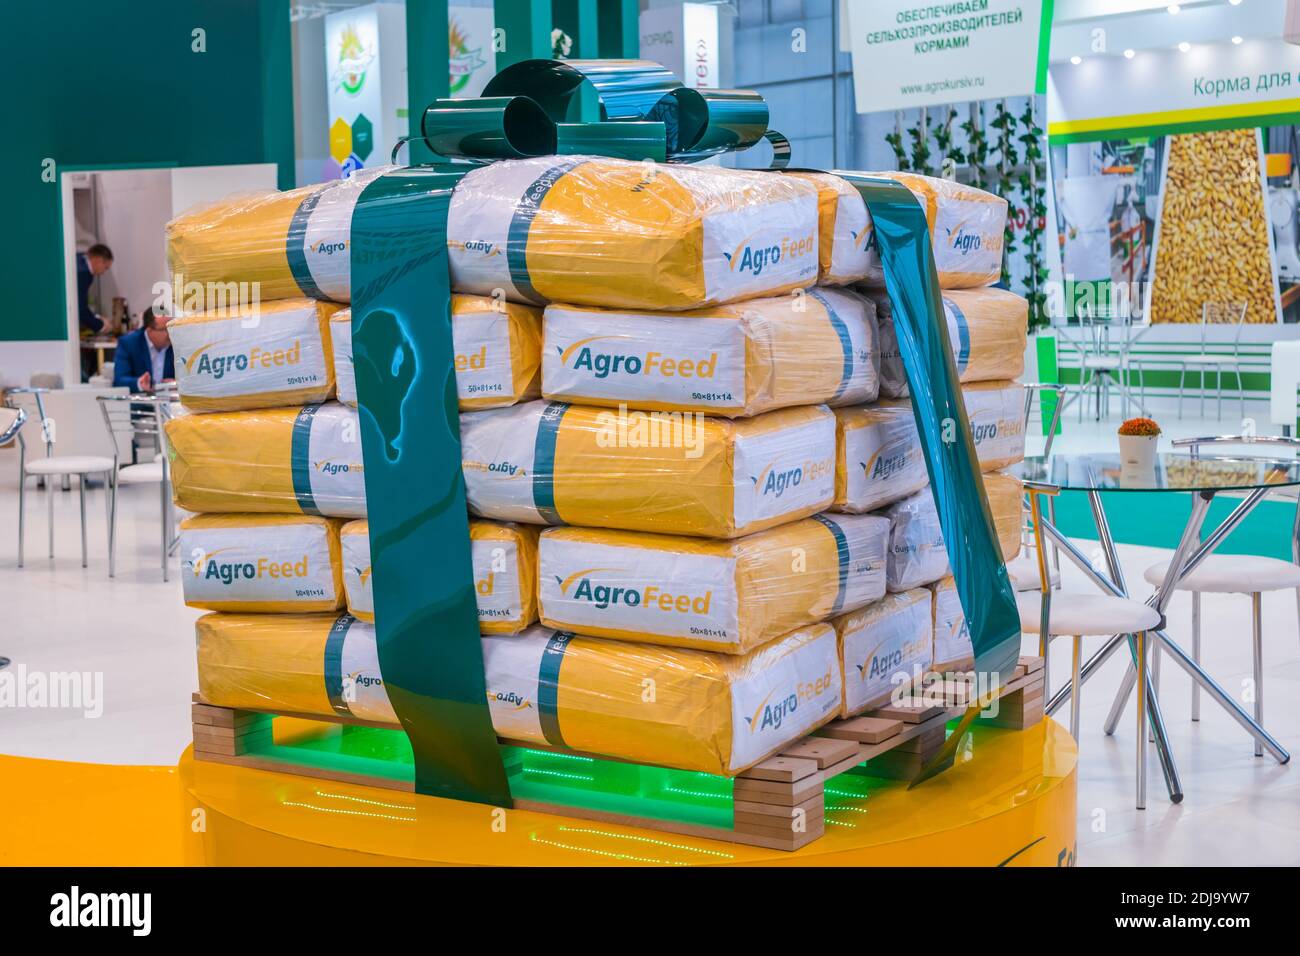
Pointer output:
1239, 809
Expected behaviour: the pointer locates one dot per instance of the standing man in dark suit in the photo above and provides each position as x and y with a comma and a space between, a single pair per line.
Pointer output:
144, 357
94, 262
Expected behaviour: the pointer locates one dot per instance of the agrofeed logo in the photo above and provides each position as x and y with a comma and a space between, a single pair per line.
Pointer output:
463, 61
355, 58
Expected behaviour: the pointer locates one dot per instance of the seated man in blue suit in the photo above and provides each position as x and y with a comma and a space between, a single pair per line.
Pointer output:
144, 357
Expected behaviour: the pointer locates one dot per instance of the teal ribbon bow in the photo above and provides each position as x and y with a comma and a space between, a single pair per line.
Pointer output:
629, 109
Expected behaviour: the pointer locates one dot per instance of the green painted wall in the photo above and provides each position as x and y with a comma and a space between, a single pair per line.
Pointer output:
1157, 519
118, 84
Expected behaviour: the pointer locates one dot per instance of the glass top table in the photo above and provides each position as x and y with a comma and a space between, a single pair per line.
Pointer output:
1201, 478
1172, 472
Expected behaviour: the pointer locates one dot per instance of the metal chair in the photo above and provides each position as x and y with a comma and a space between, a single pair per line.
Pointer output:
1216, 313
52, 466
1023, 569
139, 417
1236, 574
1064, 614
1103, 365
12, 421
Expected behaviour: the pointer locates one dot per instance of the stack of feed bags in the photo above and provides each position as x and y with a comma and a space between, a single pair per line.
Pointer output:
696, 381
714, 713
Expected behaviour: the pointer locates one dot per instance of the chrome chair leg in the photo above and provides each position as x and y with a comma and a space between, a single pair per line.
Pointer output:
1182, 386
1140, 646
112, 526
1257, 632
166, 530
49, 500
1218, 380
1076, 665
81, 494
1196, 651
22, 514
1155, 678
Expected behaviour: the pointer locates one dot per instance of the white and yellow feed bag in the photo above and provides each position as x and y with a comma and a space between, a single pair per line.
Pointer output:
727, 596
272, 354
878, 456
845, 235
987, 330
710, 712
744, 358
667, 472
497, 352
273, 460
996, 411
504, 559
952, 646
293, 243
884, 646
258, 562
917, 555
966, 230
620, 234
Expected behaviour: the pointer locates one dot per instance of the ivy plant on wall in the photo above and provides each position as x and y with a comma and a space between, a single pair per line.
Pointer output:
1033, 189
1003, 155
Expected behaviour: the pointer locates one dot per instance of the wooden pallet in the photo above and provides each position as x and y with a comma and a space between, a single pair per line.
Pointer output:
777, 804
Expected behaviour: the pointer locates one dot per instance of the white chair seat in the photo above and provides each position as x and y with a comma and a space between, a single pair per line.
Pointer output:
1232, 574
151, 471
69, 465
158, 457
1206, 360
1102, 361
1086, 614
1023, 572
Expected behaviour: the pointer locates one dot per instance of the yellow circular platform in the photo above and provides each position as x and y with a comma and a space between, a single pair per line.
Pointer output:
1010, 800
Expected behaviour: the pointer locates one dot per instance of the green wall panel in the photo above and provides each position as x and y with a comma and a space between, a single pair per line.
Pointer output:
118, 84
1156, 519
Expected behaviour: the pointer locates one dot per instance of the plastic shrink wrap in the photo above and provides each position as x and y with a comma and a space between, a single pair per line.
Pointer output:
277, 460
621, 234
917, 556
292, 243
497, 352
667, 472
728, 596
729, 360
268, 563
575, 229
952, 646
845, 238
712, 713
504, 558
272, 354
987, 329
966, 230
884, 646
996, 411
878, 457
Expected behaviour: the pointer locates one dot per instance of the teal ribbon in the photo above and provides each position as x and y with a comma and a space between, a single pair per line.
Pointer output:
426, 616
903, 241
